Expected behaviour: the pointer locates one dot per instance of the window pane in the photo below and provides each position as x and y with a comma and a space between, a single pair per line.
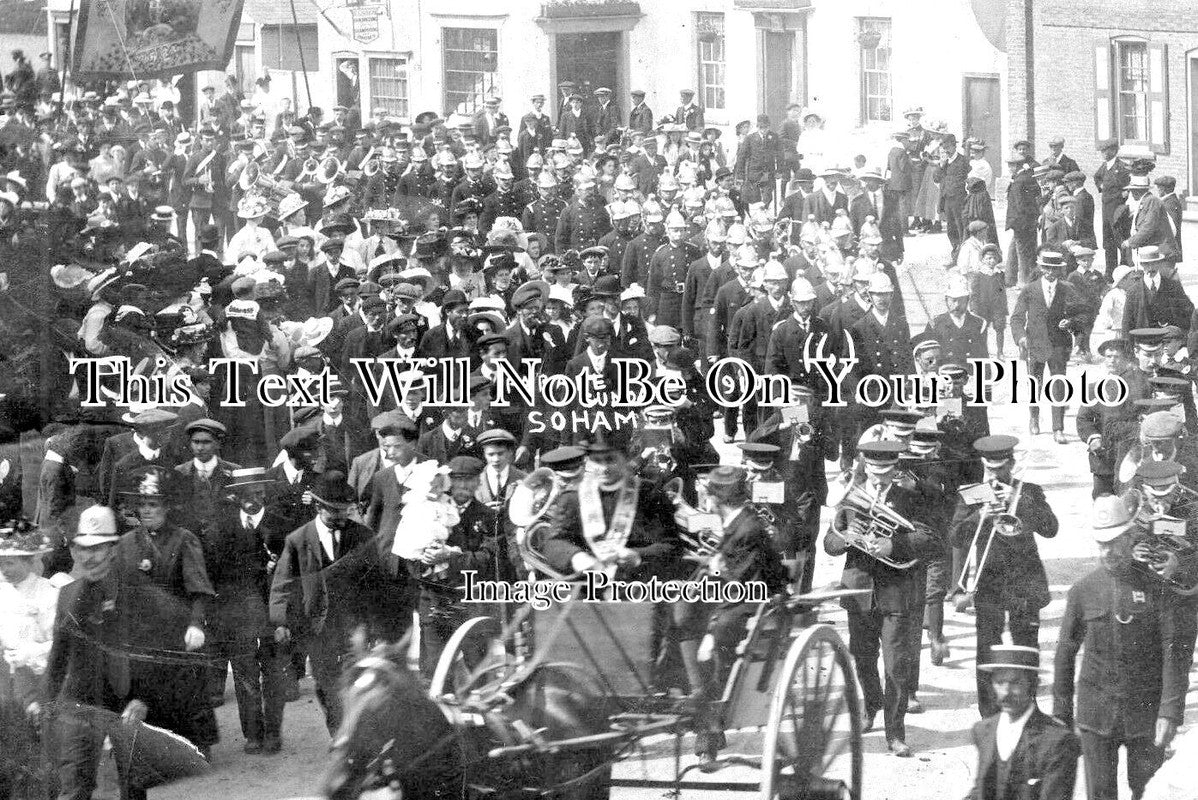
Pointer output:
1133, 91
389, 85
471, 58
710, 34
874, 39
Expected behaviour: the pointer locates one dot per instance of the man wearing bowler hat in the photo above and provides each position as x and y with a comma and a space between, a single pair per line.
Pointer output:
1021, 746
1042, 323
320, 592
1111, 178
1138, 636
241, 567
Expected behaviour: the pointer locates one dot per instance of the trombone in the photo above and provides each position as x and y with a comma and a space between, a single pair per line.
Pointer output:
1004, 523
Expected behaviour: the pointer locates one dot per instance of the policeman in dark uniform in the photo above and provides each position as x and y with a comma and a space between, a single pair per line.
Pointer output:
667, 274
626, 223
1011, 586
584, 220
635, 266
419, 180
504, 201
1139, 644
541, 215
961, 333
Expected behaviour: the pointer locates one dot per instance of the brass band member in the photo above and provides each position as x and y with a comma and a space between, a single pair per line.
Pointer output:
1009, 584
884, 619
1169, 517
801, 439
1162, 438
934, 479
746, 553
566, 463
1021, 746
1139, 643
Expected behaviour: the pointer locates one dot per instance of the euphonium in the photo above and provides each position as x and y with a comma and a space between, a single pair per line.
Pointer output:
882, 523
1151, 550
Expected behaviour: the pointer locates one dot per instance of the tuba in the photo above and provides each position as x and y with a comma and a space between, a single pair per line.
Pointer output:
882, 523
371, 168
309, 170
249, 176
329, 171
527, 508
1004, 523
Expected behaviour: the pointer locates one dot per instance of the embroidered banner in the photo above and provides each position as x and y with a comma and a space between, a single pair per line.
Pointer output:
136, 39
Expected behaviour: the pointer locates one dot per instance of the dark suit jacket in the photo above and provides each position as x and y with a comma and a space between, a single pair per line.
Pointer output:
817, 205
435, 344
1151, 226
729, 299
898, 169
300, 594
86, 656
1111, 183
1043, 765
1085, 216
1173, 207
385, 509
754, 340
951, 178
788, 343
320, 287
1170, 305
1062, 230
758, 155
1031, 318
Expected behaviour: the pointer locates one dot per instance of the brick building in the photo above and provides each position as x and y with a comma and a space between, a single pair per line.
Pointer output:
1090, 70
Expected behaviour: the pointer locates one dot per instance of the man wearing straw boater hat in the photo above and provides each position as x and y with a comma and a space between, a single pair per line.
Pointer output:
240, 568
1009, 585
87, 671
1021, 746
1138, 636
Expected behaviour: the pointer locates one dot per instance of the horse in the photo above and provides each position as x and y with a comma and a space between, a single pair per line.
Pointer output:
394, 735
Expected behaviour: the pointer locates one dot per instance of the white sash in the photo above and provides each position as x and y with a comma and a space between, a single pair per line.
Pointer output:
606, 542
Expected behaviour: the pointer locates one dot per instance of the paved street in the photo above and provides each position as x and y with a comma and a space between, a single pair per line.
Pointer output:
940, 737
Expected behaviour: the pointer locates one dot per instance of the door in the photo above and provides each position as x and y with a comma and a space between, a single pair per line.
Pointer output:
1193, 187
591, 60
246, 67
981, 115
349, 85
778, 75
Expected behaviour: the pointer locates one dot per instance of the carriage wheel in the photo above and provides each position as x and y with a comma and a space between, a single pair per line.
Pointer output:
475, 649
812, 747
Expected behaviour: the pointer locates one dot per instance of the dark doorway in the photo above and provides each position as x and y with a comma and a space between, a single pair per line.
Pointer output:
981, 115
590, 60
778, 76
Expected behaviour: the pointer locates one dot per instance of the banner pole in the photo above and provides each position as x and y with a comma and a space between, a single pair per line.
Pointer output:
66, 63
299, 44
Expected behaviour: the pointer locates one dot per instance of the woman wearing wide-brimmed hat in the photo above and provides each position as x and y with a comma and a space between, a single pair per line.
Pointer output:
252, 239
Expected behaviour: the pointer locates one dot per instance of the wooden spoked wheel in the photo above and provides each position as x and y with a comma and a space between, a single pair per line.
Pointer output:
472, 655
812, 744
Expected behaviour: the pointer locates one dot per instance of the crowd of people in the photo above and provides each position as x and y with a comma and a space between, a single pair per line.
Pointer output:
176, 538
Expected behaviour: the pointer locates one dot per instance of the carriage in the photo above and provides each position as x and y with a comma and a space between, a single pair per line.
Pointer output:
561, 702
